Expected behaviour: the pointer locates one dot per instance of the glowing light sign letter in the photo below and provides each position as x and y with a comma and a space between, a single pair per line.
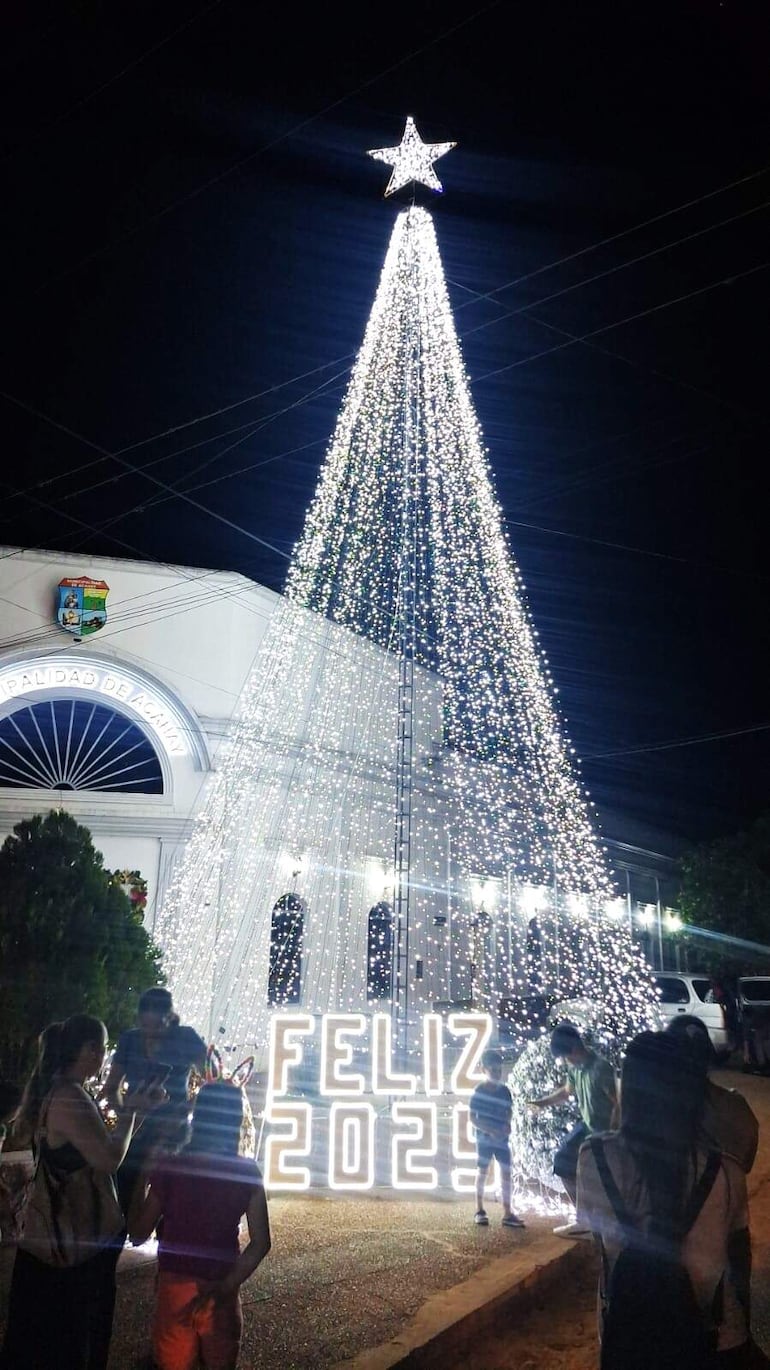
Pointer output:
279, 1148
335, 1053
433, 1053
477, 1027
284, 1052
351, 1145
405, 1172
463, 1149
384, 1079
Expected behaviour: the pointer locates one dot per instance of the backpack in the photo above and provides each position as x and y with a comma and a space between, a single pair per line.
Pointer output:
651, 1318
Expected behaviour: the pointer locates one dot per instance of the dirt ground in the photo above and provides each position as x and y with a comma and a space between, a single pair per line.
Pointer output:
560, 1333
557, 1334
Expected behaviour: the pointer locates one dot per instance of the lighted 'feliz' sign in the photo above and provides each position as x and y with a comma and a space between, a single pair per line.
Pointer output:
352, 1121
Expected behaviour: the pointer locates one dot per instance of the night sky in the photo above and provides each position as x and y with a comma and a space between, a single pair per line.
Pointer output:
191, 226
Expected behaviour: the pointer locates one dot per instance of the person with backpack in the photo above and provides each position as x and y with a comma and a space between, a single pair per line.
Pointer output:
727, 1124
663, 1210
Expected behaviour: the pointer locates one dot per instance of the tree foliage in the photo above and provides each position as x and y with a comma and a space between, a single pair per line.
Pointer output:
70, 939
725, 887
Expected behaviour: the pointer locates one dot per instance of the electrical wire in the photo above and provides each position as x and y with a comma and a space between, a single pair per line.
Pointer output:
612, 270
619, 323
132, 468
478, 296
105, 85
680, 742
163, 485
571, 341
625, 232
267, 147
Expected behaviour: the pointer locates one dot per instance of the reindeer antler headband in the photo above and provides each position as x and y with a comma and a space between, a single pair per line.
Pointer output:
215, 1070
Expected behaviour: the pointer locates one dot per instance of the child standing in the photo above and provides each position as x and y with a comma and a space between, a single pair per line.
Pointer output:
201, 1194
491, 1107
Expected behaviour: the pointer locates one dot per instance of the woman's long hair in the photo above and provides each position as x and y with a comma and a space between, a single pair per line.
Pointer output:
58, 1046
661, 1101
217, 1119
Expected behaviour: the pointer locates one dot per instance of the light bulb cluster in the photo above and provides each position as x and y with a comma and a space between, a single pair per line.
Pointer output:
403, 549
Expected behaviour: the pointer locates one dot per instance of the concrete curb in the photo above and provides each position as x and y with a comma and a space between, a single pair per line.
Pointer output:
443, 1329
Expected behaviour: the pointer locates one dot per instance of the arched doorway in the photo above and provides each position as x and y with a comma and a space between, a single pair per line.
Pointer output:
287, 927
379, 957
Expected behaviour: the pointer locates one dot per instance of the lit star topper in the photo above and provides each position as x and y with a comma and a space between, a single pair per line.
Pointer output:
412, 160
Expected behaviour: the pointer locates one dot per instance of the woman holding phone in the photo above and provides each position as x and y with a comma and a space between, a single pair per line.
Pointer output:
159, 1051
63, 1287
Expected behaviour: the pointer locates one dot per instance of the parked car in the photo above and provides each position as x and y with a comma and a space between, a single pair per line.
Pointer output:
754, 990
754, 1011
694, 994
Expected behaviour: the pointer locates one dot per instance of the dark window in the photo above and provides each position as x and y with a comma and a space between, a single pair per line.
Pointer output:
755, 991
72, 744
286, 932
379, 959
672, 991
703, 990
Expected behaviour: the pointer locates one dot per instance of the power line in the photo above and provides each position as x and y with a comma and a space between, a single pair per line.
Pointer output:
478, 296
624, 233
619, 323
267, 147
187, 498
105, 85
132, 468
168, 432
488, 295
256, 426
638, 551
524, 309
680, 742
162, 485
612, 270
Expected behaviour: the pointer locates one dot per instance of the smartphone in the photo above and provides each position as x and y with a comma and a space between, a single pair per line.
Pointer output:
156, 1077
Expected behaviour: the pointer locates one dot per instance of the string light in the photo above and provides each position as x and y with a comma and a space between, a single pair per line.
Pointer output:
509, 884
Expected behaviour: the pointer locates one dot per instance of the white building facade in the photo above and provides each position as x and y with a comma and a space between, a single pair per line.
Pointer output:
121, 727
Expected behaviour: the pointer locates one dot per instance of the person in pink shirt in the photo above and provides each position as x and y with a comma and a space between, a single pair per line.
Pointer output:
201, 1194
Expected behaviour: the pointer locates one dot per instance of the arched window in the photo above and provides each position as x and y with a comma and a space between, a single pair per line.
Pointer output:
286, 931
379, 959
72, 744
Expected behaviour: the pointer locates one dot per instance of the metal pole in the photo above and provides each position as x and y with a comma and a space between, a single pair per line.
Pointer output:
660, 923
448, 915
556, 927
510, 929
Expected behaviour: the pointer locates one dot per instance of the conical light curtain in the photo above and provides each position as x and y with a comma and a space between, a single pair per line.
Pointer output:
403, 553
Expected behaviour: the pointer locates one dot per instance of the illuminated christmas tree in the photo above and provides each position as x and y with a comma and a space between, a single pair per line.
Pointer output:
397, 821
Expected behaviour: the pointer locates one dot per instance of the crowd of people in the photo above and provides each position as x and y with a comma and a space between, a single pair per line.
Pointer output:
655, 1169
152, 1170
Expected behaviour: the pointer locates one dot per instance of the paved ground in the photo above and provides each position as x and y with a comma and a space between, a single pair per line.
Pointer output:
349, 1276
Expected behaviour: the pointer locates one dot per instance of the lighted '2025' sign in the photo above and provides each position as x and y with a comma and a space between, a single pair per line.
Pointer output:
355, 1105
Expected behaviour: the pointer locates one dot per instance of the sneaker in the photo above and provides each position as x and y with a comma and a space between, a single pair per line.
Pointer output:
511, 1220
572, 1231
481, 1219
